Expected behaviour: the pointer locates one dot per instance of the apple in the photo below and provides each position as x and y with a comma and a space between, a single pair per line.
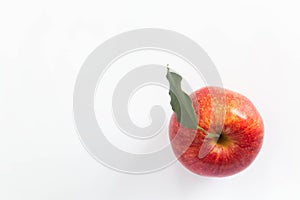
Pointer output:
240, 138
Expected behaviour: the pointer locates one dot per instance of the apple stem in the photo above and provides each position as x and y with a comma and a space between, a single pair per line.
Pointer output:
210, 135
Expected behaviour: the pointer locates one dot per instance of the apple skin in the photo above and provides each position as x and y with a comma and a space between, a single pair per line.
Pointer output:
241, 136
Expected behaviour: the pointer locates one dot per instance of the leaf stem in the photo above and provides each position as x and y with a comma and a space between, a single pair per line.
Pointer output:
210, 135
202, 129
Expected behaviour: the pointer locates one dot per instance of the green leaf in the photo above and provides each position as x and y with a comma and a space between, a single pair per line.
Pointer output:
181, 102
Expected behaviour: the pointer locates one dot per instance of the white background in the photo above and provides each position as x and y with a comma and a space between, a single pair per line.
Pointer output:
254, 44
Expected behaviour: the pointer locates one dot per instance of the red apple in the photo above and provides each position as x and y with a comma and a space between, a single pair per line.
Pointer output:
241, 136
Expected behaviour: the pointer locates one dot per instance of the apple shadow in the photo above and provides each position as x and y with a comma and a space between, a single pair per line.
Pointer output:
173, 182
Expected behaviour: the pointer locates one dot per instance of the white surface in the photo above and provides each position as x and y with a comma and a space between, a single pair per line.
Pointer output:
254, 44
